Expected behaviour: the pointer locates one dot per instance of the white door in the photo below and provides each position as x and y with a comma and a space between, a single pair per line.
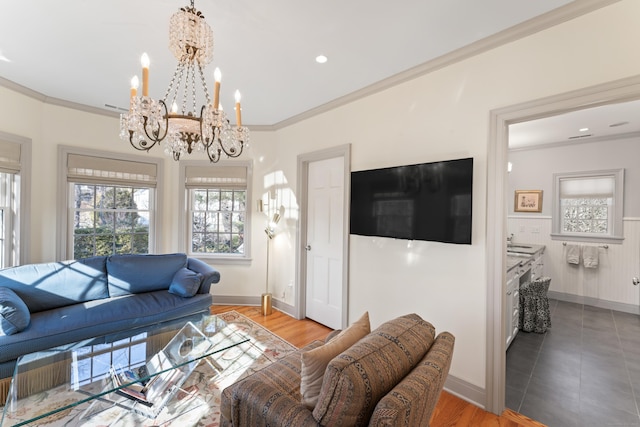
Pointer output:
324, 241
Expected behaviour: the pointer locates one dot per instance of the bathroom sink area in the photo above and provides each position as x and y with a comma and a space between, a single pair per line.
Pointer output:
513, 246
520, 249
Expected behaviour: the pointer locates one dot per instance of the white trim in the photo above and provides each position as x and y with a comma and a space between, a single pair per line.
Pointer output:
608, 93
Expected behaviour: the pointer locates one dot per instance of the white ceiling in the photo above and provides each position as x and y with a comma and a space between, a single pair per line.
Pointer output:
578, 126
86, 51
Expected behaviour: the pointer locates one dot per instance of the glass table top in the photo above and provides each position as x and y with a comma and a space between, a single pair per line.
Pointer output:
140, 370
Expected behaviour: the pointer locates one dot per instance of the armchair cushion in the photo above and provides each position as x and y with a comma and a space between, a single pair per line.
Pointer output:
314, 362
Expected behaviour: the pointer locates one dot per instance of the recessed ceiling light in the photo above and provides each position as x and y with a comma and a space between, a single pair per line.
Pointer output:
583, 129
321, 59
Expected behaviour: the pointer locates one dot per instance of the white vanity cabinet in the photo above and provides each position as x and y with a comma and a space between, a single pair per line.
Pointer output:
512, 314
524, 264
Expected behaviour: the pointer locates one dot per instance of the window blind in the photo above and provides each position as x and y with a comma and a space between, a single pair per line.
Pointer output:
103, 170
216, 177
9, 157
591, 187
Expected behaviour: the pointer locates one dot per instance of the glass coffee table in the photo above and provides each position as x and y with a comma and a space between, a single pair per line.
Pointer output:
140, 370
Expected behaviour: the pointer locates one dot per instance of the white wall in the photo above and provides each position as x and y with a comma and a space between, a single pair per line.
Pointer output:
611, 282
445, 115
442, 115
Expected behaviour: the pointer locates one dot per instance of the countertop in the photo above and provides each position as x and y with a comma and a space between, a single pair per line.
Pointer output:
520, 253
523, 249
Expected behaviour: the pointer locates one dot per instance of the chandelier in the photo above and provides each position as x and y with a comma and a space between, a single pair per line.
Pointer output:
181, 127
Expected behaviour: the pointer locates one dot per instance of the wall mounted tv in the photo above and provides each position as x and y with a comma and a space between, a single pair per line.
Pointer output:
427, 201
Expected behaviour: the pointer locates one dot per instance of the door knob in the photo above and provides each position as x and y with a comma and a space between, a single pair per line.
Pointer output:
307, 248
636, 281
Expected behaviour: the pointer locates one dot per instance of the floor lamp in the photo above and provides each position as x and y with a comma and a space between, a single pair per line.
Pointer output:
266, 297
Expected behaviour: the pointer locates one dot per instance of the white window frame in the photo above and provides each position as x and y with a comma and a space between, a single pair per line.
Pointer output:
17, 210
616, 211
185, 230
66, 195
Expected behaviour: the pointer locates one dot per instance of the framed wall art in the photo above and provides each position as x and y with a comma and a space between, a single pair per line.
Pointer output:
528, 201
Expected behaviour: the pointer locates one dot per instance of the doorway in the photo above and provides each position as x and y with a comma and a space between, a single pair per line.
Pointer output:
613, 92
323, 236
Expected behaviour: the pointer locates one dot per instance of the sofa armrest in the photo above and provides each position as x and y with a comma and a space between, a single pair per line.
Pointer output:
413, 400
254, 403
209, 274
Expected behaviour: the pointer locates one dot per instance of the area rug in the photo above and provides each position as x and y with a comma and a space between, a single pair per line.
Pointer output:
198, 401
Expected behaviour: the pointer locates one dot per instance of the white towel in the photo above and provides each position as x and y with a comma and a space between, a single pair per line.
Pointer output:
590, 256
573, 254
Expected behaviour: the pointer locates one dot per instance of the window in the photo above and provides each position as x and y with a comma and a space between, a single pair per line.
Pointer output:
110, 219
110, 204
216, 219
15, 162
7, 202
588, 206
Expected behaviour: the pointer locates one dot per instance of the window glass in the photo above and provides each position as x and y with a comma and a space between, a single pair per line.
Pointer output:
217, 221
216, 224
588, 206
109, 219
8, 209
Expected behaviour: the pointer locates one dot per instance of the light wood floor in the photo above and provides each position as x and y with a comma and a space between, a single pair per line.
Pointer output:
450, 410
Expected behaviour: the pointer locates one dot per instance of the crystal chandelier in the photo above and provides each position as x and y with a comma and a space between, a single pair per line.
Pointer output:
182, 129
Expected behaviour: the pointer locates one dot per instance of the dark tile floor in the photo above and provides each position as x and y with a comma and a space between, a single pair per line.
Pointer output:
585, 371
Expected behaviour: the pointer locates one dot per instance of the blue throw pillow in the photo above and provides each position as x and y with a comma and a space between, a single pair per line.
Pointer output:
185, 283
14, 314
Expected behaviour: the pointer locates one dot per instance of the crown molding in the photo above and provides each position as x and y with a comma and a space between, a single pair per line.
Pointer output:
547, 20
550, 19
55, 101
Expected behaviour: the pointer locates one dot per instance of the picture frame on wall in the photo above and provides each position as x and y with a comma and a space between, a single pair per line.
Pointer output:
528, 201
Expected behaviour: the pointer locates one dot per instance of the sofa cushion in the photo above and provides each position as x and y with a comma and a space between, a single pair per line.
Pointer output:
314, 362
77, 322
57, 284
360, 376
185, 283
14, 314
133, 274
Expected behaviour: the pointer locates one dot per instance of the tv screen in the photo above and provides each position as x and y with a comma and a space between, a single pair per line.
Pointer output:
427, 201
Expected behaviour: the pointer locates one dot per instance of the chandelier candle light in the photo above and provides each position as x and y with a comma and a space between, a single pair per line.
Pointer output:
182, 130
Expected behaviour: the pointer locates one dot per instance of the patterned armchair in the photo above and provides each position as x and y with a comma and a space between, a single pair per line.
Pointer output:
392, 376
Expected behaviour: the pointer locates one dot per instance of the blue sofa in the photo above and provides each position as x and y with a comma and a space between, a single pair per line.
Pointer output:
48, 305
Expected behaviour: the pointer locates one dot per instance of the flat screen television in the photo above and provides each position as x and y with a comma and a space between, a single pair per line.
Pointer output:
427, 201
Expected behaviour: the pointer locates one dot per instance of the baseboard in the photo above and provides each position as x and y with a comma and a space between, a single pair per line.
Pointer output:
253, 300
466, 391
595, 302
